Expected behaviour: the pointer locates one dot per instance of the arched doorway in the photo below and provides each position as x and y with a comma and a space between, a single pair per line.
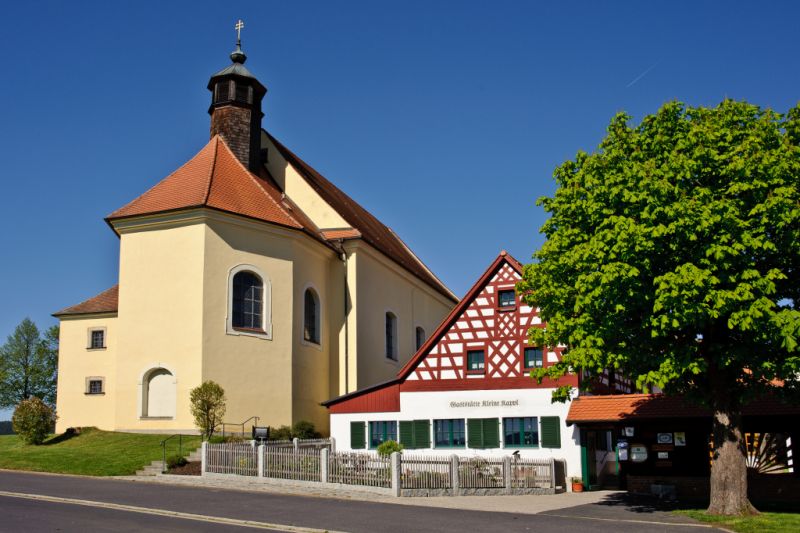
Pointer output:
158, 394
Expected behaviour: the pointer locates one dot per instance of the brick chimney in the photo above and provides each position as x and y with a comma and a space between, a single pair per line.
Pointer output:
236, 109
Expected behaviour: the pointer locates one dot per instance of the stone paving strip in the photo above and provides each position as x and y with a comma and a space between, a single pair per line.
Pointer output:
525, 504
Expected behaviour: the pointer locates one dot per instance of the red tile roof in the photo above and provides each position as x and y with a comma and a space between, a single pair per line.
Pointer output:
344, 233
214, 178
105, 302
372, 230
619, 407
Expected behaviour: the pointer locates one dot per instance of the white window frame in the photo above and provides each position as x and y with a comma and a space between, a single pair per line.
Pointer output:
87, 389
266, 310
319, 318
89, 332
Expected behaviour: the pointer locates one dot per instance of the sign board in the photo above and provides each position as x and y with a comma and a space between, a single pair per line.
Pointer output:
628, 431
622, 450
663, 455
664, 438
638, 453
680, 438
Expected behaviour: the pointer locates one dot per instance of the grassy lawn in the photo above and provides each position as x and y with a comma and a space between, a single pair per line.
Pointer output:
92, 452
763, 523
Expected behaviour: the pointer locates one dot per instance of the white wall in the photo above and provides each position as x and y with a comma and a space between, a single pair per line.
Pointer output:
437, 405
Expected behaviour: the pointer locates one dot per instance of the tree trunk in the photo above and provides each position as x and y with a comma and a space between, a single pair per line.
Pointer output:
728, 466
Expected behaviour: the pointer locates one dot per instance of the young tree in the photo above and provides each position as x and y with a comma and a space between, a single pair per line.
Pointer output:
28, 365
673, 255
208, 407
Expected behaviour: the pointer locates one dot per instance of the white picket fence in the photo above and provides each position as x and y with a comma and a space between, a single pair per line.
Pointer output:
399, 474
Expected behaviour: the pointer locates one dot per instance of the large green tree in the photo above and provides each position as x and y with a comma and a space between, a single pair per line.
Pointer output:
672, 254
28, 365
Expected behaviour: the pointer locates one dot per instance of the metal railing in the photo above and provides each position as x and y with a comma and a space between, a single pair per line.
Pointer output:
240, 424
164, 450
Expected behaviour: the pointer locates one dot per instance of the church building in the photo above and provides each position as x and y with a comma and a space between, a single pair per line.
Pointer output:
247, 267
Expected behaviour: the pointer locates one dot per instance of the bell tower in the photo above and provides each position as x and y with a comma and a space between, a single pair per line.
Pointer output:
236, 107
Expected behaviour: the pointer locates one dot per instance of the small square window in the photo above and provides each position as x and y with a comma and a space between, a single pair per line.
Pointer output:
95, 386
506, 298
98, 339
475, 361
534, 357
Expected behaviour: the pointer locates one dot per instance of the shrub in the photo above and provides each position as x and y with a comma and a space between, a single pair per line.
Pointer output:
208, 406
388, 447
303, 429
280, 433
33, 420
174, 461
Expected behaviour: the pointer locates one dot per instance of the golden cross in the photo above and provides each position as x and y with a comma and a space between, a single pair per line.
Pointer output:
239, 26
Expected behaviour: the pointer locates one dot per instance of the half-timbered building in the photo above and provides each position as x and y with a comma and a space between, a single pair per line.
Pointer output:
468, 390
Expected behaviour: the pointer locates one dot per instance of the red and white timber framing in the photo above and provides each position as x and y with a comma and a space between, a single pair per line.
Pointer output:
436, 384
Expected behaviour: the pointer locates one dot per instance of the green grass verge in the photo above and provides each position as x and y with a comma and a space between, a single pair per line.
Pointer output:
92, 452
763, 523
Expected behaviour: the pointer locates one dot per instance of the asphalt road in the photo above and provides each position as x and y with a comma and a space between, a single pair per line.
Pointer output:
85, 497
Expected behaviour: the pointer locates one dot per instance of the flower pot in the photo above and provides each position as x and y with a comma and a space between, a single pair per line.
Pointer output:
577, 486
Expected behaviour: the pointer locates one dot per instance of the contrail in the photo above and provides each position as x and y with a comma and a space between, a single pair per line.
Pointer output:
643, 74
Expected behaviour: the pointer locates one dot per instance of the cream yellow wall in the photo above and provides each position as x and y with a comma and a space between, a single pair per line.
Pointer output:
255, 372
76, 362
383, 286
312, 368
298, 189
160, 313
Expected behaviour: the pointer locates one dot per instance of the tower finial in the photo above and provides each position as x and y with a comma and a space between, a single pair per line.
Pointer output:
237, 56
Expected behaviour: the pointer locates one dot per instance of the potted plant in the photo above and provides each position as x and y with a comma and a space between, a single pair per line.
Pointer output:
577, 484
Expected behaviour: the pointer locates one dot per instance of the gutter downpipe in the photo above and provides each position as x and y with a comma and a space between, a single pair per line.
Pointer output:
346, 322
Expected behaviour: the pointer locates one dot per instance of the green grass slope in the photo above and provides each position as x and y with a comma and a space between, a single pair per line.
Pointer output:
92, 452
763, 523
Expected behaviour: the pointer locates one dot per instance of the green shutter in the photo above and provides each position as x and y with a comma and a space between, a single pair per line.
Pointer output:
475, 432
491, 433
407, 434
422, 434
551, 432
358, 439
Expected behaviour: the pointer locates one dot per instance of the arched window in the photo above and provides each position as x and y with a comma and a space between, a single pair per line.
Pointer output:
391, 336
248, 301
420, 337
311, 317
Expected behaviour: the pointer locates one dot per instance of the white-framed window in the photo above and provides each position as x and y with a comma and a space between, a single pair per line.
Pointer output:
95, 385
249, 302
419, 337
96, 339
391, 336
311, 316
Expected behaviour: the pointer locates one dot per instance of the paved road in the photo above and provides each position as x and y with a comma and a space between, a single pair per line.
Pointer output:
74, 504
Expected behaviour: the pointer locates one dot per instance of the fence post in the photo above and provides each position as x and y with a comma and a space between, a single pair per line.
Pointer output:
333, 444
261, 452
507, 473
552, 473
296, 443
323, 465
203, 457
454, 481
395, 461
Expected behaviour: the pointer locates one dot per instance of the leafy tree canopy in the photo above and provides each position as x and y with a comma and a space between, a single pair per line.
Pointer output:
673, 254
207, 404
28, 365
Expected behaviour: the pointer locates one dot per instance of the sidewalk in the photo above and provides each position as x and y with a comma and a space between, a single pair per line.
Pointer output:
526, 504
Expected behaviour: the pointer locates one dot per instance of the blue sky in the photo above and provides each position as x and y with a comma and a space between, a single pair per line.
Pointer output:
445, 119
